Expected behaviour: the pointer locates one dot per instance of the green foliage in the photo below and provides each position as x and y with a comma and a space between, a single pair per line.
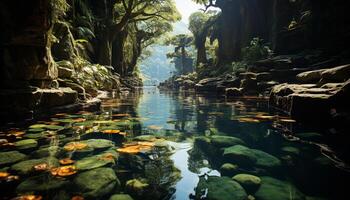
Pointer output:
255, 51
58, 9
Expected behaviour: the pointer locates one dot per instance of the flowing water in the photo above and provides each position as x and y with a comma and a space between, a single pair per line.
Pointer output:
165, 145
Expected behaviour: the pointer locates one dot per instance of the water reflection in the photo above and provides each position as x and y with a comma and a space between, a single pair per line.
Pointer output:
161, 145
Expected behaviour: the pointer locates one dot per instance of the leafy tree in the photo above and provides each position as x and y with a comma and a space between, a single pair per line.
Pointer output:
181, 42
200, 25
121, 13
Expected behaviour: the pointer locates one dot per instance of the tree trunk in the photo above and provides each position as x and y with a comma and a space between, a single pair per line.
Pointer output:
201, 52
105, 49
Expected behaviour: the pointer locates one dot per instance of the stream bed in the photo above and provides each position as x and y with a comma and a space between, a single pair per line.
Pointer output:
155, 144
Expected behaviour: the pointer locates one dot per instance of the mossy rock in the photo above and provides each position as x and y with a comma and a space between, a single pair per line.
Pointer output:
240, 154
11, 157
27, 166
249, 182
100, 144
229, 169
274, 189
34, 135
202, 142
225, 141
136, 186
42, 183
120, 197
96, 183
149, 138
93, 162
251, 157
220, 188
26, 144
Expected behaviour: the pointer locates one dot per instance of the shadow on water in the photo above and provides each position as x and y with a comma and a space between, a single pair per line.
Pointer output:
168, 145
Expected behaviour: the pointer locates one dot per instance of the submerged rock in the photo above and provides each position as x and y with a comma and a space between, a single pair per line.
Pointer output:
10, 157
250, 157
95, 162
136, 186
229, 169
219, 188
225, 141
250, 182
100, 144
27, 166
40, 183
96, 183
274, 189
26, 144
120, 197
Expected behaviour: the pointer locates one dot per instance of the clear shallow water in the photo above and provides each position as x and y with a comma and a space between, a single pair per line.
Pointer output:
170, 165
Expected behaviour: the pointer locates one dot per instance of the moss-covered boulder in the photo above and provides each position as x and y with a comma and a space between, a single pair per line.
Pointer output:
220, 188
136, 186
47, 151
27, 166
229, 169
225, 141
26, 144
120, 197
96, 161
40, 183
99, 144
250, 157
240, 154
10, 157
274, 189
249, 182
96, 183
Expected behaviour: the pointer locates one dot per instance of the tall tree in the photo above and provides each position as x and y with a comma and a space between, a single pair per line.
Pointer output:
200, 25
119, 13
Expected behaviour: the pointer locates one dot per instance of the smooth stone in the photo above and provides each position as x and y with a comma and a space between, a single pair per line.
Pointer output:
225, 141
120, 197
274, 189
34, 135
250, 157
249, 182
27, 166
26, 144
229, 169
96, 183
220, 188
10, 157
93, 162
40, 183
99, 143
149, 138
136, 186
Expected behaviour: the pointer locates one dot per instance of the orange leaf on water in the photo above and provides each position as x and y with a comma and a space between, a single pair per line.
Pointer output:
75, 146
64, 171
66, 161
41, 167
28, 197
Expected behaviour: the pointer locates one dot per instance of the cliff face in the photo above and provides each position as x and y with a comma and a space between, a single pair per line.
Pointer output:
290, 26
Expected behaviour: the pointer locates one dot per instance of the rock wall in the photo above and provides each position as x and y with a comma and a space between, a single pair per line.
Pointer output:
290, 26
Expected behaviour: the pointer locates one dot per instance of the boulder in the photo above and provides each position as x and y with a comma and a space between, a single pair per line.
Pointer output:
310, 76
274, 189
229, 169
96, 183
10, 157
251, 157
249, 182
136, 186
96, 161
27, 166
336, 75
219, 188
41, 183
64, 48
225, 141
26, 144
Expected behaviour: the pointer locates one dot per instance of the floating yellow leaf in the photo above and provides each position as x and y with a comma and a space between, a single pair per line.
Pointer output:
41, 167
107, 157
79, 120
4, 175
75, 146
66, 161
28, 197
111, 131
136, 147
64, 171
15, 133
248, 120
